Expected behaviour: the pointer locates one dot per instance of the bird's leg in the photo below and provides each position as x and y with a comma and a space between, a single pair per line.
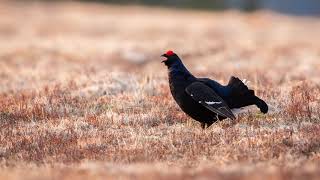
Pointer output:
217, 116
209, 124
203, 125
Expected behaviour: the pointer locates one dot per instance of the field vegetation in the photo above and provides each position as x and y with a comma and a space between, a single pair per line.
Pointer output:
83, 94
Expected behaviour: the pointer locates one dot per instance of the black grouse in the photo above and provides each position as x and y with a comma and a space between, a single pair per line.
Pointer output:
206, 100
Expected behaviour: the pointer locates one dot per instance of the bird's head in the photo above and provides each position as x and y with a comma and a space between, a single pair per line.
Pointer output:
170, 58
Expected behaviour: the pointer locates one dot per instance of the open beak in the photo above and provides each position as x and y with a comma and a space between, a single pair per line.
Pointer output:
164, 58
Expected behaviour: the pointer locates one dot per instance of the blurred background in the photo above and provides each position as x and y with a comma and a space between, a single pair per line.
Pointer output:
82, 81
297, 7
71, 37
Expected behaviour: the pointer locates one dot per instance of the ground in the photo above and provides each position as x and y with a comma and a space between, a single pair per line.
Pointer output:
83, 94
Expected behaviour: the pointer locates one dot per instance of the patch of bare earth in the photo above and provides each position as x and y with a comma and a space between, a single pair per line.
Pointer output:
83, 93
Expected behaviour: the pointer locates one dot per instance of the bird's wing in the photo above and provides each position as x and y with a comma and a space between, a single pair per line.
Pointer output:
222, 91
209, 99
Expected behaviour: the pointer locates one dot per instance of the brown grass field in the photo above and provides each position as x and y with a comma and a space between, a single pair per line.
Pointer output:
83, 94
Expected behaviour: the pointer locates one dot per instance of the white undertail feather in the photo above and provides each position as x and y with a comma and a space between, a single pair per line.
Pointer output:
238, 111
246, 82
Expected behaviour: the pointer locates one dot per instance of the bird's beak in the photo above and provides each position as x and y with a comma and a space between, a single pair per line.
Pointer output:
164, 58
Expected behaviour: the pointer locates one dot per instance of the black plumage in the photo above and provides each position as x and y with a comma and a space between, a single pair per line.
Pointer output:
206, 100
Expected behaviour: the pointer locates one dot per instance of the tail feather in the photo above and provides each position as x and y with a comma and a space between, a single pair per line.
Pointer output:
242, 96
262, 105
238, 87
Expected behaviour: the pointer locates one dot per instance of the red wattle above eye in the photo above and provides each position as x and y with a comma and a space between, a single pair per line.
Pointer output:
170, 53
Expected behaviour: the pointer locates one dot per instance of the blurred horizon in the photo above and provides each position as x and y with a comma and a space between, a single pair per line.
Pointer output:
84, 95
293, 7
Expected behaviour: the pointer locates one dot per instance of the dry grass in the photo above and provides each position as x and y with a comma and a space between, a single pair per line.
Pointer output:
83, 94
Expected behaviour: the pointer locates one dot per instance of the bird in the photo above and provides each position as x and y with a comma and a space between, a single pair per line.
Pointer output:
205, 100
